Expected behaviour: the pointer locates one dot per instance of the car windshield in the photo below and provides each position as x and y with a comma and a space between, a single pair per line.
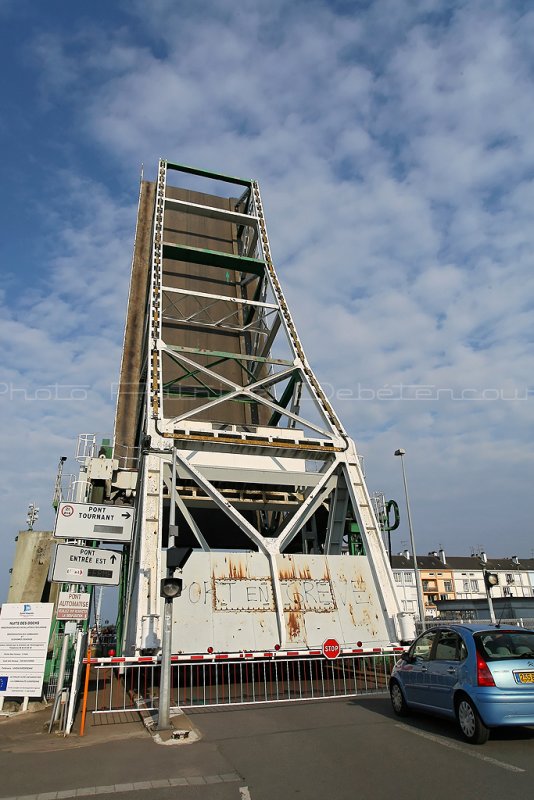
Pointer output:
505, 644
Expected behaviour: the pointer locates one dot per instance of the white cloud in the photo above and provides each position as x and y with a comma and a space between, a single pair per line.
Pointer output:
394, 152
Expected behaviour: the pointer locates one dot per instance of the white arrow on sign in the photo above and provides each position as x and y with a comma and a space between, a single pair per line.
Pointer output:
105, 523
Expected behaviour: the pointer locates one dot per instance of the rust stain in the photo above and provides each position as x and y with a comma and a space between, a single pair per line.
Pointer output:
297, 598
235, 569
238, 570
305, 573
293, 625
213, 593
351, 612
286, 574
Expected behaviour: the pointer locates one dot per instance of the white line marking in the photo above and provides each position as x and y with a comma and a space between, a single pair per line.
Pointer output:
464, 750
194, 780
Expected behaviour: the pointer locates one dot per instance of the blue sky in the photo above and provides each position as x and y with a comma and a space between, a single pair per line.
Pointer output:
393, 146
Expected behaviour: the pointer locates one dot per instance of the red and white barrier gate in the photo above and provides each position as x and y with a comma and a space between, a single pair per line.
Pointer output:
127, 684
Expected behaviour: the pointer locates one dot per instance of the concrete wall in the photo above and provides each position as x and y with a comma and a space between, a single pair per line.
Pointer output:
28, 582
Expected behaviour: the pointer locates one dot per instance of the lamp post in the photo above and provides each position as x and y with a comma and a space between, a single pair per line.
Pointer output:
170, 587
419, 587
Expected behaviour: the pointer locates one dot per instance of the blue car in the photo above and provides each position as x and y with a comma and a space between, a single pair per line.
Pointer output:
480, 675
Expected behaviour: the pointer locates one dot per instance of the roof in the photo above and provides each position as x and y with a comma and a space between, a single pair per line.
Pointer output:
471, 563
477, 627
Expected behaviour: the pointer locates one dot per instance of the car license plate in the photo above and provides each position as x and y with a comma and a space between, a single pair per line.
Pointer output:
524, 677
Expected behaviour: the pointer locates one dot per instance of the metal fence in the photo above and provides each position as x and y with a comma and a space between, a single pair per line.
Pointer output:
135, 686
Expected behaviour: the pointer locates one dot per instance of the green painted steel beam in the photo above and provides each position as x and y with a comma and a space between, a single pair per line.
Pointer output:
183, 392
193, 373
202, 173
232, 356
250, 311
284, 400
213, 258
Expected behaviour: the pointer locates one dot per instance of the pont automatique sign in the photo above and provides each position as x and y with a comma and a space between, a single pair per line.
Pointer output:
73, 605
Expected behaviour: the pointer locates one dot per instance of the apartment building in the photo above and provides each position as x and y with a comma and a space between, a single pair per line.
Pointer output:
459, 578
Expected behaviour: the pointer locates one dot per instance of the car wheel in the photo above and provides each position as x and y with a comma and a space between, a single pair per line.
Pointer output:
473, 729
397, 700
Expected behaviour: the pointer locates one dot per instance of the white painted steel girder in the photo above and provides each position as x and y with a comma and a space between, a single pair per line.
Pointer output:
340, 465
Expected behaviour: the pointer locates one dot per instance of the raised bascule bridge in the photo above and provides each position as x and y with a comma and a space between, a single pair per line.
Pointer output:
240, 454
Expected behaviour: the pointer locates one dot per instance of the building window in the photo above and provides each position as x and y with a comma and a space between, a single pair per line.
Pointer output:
447, 585
509, 577
444, 597
474, 586
466, 586
408, 577
507, 592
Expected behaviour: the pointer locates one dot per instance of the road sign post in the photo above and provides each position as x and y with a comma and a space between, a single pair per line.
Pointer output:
331, 649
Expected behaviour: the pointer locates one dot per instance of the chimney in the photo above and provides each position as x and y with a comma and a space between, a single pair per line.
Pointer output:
515, 560
433, 553
442, 556
406, 554
483, 557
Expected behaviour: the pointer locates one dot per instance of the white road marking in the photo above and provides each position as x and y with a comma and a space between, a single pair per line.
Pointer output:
244, 792
466, 750
194, 780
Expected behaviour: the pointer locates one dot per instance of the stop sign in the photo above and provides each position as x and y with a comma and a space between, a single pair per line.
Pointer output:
331, 648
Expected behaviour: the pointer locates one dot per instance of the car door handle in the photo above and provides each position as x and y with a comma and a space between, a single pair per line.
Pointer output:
424, 669
452, 670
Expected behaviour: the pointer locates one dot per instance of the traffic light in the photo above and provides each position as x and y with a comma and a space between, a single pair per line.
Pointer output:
170, 588
491, 579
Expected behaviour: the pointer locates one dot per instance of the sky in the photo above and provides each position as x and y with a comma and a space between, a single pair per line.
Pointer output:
392, 141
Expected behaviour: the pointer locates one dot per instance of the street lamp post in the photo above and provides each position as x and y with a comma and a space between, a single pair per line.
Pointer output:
170, 587
419, 587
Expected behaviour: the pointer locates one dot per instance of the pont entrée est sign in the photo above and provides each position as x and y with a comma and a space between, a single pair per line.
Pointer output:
91, 565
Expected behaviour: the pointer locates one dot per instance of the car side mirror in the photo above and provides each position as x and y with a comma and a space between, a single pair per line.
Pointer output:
407, 657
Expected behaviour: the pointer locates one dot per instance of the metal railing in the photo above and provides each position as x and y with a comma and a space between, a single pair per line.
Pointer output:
127, 686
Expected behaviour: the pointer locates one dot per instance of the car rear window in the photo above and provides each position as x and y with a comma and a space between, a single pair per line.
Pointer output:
505, 644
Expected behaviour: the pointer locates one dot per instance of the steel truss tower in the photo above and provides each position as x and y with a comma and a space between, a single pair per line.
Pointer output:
268, 487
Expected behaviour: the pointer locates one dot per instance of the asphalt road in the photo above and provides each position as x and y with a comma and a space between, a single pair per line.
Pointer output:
333, 750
